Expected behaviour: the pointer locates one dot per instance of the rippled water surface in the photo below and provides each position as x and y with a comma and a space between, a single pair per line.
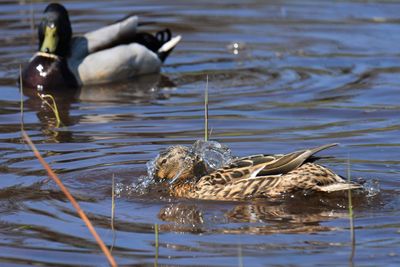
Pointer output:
283, 75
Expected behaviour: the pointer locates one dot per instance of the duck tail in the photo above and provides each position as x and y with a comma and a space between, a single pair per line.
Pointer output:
169, 43
339, 187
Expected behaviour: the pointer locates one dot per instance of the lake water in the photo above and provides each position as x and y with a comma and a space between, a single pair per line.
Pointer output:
283, 75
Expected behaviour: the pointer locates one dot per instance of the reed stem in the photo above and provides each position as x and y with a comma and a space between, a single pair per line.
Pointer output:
66, 192
351, 216
206, 112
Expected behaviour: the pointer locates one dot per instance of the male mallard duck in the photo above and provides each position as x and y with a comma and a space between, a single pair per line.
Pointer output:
112, 53
249, 177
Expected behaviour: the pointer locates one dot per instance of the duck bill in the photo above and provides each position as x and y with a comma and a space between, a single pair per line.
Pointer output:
50, 41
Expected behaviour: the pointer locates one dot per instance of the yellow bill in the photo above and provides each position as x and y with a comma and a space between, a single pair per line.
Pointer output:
50, 41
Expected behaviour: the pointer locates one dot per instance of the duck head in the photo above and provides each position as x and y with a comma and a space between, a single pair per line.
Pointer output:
55, 31
48, 69
178, 163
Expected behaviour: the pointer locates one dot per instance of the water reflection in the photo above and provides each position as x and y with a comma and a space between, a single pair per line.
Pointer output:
53, 111
302, 73
141, 90
292, 214
247, 218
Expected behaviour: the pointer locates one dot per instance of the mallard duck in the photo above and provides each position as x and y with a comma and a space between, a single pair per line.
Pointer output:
115, 52
258, 176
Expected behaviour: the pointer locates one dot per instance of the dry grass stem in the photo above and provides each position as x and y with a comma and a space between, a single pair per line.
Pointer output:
351, 215
32, 24
156, 244
74, 203
21, 87
206, 112
240, 256
112, 202
66, 192
113, 211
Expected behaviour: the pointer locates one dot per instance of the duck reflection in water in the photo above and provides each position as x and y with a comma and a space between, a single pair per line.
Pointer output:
140, 90
292, 215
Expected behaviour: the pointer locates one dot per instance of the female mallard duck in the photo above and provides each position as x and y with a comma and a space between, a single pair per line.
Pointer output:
249, 177
112, 53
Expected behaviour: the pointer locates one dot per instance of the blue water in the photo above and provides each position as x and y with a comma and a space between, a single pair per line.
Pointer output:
305, 73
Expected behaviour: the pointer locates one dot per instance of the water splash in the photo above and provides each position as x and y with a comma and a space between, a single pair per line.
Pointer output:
121, 189
214, 154
151, 166
144, 182
372, 187
140, 187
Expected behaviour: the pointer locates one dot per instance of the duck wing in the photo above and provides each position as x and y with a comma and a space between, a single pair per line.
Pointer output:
103, 38
288, 162
262, 165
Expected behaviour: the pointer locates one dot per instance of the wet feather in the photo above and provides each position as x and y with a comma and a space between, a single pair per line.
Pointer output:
249, 177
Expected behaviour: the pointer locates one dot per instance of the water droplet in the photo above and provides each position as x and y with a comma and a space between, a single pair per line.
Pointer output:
372, 187
214, 154
236, 47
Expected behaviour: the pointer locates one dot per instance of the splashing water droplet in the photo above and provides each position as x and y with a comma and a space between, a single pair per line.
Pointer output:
119, 188
151, 167
372, 187
214, 154
123, 189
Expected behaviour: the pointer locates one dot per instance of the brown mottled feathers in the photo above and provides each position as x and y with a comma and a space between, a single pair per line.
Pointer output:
178, 160
263, 165
257, 176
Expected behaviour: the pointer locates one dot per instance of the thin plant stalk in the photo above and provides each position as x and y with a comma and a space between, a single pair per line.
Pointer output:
206, 112
66, 192
32, 25
240, 256
52, 106
21, 86
156, 244
351, 216
112, 202
113, 211
74, 203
